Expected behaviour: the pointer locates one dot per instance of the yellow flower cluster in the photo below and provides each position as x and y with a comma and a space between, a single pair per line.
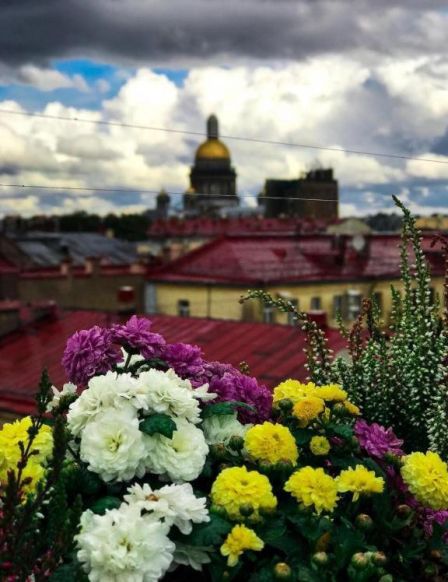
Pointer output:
292, 390
237, 487
271, 443
10, 436
309, 401
426, 475
240, 539
313, 488
319, 445
359, 481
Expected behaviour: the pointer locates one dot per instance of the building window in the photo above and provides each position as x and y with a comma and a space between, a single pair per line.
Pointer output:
316, 304
183, 308
338, 306
268, 314
354, 299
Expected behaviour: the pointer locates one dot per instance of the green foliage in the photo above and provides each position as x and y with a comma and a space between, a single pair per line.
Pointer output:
158, 423
398, 376
223, 408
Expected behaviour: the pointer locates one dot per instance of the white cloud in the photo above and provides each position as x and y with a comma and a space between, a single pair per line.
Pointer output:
49, 79
323, 100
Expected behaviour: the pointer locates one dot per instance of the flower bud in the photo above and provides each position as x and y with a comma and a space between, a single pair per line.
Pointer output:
265, 467
218, 451
404, 511
320, 558
386, 578
284, 465
360, 561
436, 554
322, 542
246, 510
286, 405
431, 570
236, 443
339, 409
379, 558
364, 521
282, 571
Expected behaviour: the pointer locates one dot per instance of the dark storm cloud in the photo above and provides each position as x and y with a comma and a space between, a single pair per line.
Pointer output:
149, 31
440, 145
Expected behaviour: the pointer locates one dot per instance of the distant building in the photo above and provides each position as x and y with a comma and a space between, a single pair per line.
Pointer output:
319, 273
212, 177
301, 197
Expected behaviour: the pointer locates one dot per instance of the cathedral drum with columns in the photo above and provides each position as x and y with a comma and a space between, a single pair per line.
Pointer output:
212, 177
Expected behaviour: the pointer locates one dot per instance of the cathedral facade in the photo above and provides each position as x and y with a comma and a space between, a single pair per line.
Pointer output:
212, 177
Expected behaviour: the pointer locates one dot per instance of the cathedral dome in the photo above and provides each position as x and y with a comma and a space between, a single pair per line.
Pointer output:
212, 149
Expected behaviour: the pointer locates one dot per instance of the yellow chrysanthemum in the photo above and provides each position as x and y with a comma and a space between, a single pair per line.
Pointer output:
319, 445
12, 433
426, 475
10, 436
313, 488
359, 480
331, 393
308, 408
293, 390
236, 487
240, 539
352, 408
271, 443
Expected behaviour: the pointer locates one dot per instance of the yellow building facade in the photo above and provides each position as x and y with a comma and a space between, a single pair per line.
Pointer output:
222, 302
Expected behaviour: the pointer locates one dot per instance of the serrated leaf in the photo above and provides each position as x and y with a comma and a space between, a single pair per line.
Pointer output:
101, 505
210, 533
158, 423
222, 408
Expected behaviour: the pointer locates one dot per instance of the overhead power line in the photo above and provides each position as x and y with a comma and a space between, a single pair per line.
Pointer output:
229, 137
155, 192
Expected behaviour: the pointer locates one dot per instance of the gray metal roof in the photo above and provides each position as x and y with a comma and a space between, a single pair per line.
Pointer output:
49, 249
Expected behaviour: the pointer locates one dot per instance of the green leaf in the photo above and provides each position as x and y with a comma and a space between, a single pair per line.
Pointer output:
101, 505
222, 408
302, 435
158, 424
341, 430
69, 573
211, 533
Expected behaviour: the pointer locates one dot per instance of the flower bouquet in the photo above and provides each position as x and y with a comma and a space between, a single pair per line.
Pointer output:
153, 463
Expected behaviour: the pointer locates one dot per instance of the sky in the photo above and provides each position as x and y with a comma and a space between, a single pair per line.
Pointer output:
342, 74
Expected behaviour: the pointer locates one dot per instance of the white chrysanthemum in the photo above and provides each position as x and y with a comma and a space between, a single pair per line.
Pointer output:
202, 393
220, 428
191, 556
121, 546
169, 394
67, 390
109, 391
176, 504
182, 458
112, 445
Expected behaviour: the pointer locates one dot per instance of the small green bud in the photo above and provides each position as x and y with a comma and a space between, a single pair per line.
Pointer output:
284, 465
360, 561
386, 578
364, 521
379, 558
404, 511
320, 558
218, 451
339, 409
282, 571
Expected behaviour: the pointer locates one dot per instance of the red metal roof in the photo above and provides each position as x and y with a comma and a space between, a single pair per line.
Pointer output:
273, 352
255, 259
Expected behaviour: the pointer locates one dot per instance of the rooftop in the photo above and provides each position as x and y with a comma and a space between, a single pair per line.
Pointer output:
273, 352
267, 258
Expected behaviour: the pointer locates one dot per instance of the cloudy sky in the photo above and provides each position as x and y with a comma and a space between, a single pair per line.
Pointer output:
350, 74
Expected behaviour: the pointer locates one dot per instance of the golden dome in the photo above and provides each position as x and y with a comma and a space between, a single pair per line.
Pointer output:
213, 149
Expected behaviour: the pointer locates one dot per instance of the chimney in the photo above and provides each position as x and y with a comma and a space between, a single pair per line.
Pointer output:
66, 267
92, 266
126, 300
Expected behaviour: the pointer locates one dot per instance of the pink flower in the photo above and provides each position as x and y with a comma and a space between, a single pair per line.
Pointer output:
135, 336
89, 352
376, 440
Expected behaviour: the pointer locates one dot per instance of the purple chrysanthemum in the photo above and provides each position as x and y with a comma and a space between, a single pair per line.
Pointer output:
89, 352
135, 336
376, 440
234, 385
185, 359
431, 517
